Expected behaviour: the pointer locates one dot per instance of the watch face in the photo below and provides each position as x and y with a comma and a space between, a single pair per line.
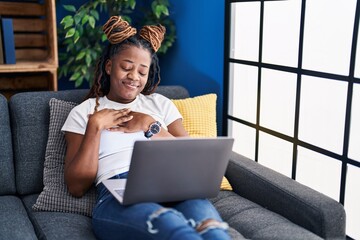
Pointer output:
155, 128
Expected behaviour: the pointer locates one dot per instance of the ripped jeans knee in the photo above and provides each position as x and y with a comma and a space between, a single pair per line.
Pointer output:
199, 228
159, 213
209, 224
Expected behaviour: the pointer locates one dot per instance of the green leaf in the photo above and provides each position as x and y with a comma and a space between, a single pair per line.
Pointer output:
165, 11
66, 18
132, 4
77, 18
71, 59
85, 19
79, 81
95, 14
94, 54
75, 76
76, 36
70, 8
95, 4
68, 23
80, 56
84, 69
87, 76
70, 33
92, 21
88, 60
159, 9
80, 28
103, 38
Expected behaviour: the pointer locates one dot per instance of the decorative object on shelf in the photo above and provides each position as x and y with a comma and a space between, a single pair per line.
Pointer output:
8, 40
81, 36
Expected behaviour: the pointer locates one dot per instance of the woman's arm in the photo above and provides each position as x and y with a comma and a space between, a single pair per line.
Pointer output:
177, 129
82, 154
142, 121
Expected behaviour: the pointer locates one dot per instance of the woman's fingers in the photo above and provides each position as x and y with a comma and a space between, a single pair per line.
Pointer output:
122, 116
124, 119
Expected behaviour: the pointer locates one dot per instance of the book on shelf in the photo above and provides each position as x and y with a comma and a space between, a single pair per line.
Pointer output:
1, 46
8, 40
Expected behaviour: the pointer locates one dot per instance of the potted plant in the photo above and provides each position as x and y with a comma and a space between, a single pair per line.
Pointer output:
81, 37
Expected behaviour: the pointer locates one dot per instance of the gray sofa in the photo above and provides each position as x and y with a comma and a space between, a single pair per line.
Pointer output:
263, 205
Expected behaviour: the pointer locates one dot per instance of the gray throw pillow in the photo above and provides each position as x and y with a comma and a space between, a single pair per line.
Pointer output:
55, 196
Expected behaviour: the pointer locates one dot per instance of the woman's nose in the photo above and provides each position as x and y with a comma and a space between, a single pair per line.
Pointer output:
133, 75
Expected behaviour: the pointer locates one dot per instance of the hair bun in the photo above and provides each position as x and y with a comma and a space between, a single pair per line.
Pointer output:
117, 30
153, 34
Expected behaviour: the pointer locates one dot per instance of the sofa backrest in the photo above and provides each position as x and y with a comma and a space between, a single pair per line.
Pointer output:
29, 112
7, 175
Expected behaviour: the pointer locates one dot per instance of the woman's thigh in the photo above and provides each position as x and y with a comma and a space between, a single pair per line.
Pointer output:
198, 210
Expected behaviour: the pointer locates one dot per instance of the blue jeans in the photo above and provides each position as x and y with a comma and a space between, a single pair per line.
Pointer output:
112, 220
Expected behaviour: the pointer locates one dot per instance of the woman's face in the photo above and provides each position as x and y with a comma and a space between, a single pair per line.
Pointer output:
129, 71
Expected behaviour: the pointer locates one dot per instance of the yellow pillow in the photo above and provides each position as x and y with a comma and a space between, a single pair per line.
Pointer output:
199, 119
199, 115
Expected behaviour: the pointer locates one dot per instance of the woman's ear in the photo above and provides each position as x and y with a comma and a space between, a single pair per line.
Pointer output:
108, 65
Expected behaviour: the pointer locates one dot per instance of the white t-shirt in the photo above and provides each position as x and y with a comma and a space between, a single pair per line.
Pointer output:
116, 147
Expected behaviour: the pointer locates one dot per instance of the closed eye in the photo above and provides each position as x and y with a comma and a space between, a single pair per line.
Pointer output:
142, 74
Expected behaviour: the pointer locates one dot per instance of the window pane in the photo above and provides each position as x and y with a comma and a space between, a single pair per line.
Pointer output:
243, 87
352, 200
319, 172
281, 32
275, 153
245, 31
357, 61
244, 136
354, 149
277, 109
322, 112
328, 34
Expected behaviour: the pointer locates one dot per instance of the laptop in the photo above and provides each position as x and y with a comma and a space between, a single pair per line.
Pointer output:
170, 170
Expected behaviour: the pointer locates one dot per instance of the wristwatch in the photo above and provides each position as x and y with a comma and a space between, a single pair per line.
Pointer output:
154, 128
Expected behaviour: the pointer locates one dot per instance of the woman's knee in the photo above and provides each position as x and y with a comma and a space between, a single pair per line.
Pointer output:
212, 227
198, 209
162, 217
170, 224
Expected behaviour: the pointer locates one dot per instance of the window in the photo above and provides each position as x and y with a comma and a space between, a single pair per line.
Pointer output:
292, 92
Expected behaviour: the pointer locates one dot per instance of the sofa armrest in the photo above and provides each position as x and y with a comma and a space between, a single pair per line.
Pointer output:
300, 204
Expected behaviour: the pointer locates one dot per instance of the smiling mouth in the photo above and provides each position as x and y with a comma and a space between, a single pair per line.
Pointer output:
131, 84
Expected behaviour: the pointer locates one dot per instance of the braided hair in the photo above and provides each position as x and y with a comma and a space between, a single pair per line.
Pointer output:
122, 36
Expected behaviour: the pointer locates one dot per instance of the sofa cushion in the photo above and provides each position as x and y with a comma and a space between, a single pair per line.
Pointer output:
199, 115
256, 222
7, 176
29, 112
55, 195
58, 225
14, 221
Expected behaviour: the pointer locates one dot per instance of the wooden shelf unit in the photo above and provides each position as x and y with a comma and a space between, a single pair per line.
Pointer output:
34, 23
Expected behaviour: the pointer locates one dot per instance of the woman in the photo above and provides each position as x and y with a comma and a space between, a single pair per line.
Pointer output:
101, 131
